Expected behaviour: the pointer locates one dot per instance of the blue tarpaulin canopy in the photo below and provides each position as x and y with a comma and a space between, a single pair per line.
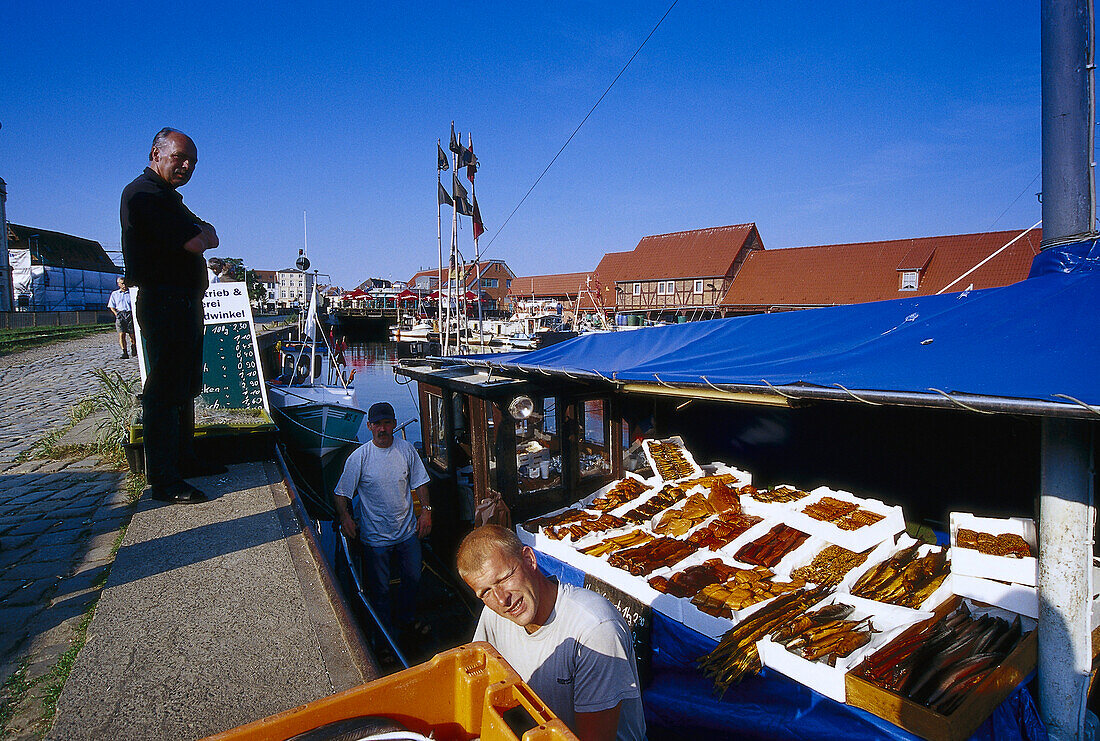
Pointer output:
1035, 341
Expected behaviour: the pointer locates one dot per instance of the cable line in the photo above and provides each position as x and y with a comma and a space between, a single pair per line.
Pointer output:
590, 112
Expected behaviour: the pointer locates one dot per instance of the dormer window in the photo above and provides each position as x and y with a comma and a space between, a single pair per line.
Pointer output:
909, 280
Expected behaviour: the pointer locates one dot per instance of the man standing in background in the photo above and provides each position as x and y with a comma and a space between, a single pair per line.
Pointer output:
163, 245
120, 306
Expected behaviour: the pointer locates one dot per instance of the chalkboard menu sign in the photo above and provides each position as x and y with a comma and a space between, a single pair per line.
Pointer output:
231, 374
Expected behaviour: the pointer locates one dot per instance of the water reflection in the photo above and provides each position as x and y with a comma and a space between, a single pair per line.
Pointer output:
373, 363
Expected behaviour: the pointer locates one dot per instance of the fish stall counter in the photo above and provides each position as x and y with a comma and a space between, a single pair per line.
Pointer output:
782, 613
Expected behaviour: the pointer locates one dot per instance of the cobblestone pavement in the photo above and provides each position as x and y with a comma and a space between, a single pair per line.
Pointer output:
58, 518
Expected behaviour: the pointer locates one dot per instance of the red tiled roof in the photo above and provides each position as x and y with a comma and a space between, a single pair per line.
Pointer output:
485, 266
699, 253
560, 284
826, 275
266, 276
612, 266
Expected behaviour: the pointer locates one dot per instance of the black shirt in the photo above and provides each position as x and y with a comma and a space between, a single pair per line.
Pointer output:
155, 226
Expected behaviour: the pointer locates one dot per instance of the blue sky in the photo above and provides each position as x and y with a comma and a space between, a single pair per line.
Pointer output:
823, 123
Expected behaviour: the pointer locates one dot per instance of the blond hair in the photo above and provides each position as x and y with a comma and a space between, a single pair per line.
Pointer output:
479, 545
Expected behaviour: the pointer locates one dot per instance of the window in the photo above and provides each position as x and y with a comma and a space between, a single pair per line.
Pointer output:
637, 289
490, 282
595, 458
538, 448
670, 288
661, 288
698, 286
508, 283
437, 431
909, 280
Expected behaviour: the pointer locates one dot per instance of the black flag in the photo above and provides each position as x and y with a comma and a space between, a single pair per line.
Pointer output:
468, 159
462, 205
479, 225
442, 163
456, 145
444, 196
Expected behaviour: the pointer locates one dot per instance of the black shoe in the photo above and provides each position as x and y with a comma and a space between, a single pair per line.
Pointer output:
180, 492
197, 467
123, 356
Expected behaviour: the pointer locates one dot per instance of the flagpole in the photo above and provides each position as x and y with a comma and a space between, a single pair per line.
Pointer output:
439, 236
453, 264
477, 252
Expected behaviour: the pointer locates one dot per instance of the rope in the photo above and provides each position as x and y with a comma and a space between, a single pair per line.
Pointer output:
997, 252
662, 382
315, 432
1078, 402
955, 401
857, 398
563, 146
776, 389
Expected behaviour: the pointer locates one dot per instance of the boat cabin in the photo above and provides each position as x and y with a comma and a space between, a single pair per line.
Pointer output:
514, 449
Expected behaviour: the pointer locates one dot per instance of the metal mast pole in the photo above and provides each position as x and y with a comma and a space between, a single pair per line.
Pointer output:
453, 260
439, 236
477, 256
1066, 496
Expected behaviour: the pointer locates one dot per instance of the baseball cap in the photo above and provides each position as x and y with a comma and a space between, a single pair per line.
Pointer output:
379, 411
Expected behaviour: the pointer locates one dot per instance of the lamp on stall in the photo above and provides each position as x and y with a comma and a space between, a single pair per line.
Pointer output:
521, 407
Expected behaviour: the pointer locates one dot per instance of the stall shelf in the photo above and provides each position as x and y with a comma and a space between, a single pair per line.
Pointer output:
769, 705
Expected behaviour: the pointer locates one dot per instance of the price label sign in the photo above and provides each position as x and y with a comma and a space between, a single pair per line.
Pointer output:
232, 377
231, 374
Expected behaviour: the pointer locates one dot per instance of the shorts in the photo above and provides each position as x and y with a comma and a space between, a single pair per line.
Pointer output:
124, 322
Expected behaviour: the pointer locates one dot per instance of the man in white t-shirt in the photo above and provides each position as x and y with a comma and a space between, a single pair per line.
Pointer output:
382, 480
120, 305
570, 645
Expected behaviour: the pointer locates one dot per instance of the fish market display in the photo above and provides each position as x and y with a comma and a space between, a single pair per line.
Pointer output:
845, 515
670, 461
723, 530
669, 495
1010, 545
904, 579
825, 633
830, 565
581, 527
688, 582
651, 555
677, 522
610, 545
625, 491
746, 587
562, 518
938, 663
778, 494
736, 654
769, 549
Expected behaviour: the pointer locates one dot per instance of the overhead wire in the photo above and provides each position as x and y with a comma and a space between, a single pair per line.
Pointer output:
586, 117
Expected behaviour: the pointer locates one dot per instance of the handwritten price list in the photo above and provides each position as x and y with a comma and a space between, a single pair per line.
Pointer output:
231, 371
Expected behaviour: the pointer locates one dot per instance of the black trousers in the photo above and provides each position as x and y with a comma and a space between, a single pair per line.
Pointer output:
172, 329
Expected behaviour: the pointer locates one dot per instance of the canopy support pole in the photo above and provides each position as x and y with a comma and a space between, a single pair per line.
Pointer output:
1065, 576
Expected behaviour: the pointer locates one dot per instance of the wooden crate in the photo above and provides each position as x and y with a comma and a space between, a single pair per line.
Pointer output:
966, 718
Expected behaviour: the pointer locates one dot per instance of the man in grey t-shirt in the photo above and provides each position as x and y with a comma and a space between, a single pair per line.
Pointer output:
375, 497
570, 645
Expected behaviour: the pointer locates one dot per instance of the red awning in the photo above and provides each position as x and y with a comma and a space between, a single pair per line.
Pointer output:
406, 295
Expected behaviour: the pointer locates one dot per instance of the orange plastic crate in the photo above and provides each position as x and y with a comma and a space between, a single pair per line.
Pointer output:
458, 695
